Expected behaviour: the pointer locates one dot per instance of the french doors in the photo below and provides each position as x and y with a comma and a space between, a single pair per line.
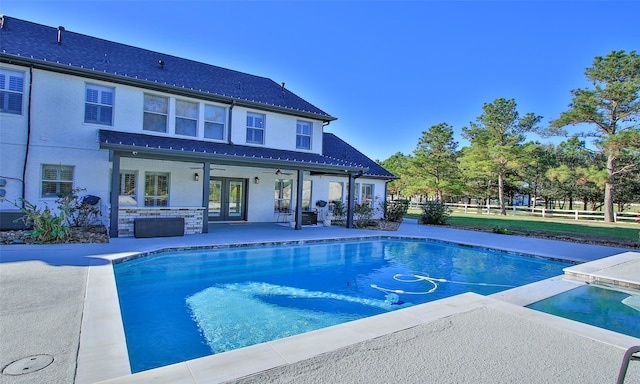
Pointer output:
227, 199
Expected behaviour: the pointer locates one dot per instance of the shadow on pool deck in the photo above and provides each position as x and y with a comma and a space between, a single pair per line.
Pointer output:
42, 287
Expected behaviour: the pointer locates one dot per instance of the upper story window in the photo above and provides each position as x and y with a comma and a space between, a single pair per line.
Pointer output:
56, 180
98, 107
255, 128
186, 118
155, 113
214, 122
11, 91
303, 135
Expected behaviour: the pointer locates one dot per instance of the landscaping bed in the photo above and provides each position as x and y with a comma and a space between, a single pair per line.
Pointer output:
77, 235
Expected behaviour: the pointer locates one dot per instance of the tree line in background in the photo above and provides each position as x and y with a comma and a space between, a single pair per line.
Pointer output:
499, 164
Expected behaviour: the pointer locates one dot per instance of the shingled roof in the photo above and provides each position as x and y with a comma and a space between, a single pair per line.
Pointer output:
336, 148
198, 150
24, 42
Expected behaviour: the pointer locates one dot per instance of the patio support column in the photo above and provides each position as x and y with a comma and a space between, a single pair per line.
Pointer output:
115, 192
299, 200
350, 200
206, 173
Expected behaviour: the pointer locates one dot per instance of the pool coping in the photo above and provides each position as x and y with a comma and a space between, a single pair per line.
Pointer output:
103, 353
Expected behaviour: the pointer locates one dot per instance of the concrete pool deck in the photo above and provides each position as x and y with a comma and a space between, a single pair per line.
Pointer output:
45, 290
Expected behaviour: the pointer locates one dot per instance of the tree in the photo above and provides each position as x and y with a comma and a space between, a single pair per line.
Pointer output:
435, 164
477, 173
499, 133
628, 185
397, 164
538, 160
612, 108
577, 172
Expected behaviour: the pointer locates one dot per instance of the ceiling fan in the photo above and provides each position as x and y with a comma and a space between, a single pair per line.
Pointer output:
213, 169
279, 172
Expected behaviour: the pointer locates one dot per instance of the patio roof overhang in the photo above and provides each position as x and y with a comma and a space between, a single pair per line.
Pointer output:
133, 145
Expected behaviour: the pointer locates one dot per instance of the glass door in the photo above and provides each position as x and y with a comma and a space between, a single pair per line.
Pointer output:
236, 199
215, 199
227, 199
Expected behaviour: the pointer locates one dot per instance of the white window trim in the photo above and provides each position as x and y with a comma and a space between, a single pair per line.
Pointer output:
166, 115
58, 180
100, 89
177, 116
263, 129
8, 73
205, 121
310, 135
155, 197
121, 195
373, 192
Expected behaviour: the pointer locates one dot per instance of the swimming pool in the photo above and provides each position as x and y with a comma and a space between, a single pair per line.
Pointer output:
613, 309
181, 305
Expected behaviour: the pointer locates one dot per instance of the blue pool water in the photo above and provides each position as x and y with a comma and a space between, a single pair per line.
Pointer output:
182, 305
615, 310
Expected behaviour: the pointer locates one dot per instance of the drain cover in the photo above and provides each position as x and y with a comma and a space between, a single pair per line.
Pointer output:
27, 365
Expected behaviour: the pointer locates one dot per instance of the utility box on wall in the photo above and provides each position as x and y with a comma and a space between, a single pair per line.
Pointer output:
12, 221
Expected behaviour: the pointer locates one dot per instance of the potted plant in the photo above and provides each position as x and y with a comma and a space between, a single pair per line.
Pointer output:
327, 219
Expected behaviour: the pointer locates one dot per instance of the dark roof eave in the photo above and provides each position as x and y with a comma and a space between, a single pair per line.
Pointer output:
151, 85
125, 150
386, 177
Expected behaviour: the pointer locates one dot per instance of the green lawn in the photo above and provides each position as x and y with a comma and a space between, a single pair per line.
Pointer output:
594, 231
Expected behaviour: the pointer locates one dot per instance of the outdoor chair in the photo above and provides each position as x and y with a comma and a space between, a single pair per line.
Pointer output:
285, 215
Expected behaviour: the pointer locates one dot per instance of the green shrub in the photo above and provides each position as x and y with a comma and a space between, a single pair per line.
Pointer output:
502, 230
363, 213
47, 227
395, 210
434, 212
77, 212
338, 210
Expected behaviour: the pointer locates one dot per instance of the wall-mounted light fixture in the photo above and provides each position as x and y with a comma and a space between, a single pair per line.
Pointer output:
256, 180
196, 177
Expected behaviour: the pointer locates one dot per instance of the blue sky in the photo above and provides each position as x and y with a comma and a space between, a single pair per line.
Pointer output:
386, 70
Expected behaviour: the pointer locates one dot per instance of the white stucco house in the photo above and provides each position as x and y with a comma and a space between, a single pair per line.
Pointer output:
154, 135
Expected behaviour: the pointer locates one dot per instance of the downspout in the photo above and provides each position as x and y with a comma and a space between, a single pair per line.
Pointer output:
26, 151
233, 103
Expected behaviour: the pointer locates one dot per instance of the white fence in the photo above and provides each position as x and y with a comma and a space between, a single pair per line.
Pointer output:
515, 210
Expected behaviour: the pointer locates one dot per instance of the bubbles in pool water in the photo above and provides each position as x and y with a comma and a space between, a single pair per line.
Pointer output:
222, 314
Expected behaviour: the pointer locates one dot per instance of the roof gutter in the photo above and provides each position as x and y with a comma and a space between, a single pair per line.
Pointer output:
68, 69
